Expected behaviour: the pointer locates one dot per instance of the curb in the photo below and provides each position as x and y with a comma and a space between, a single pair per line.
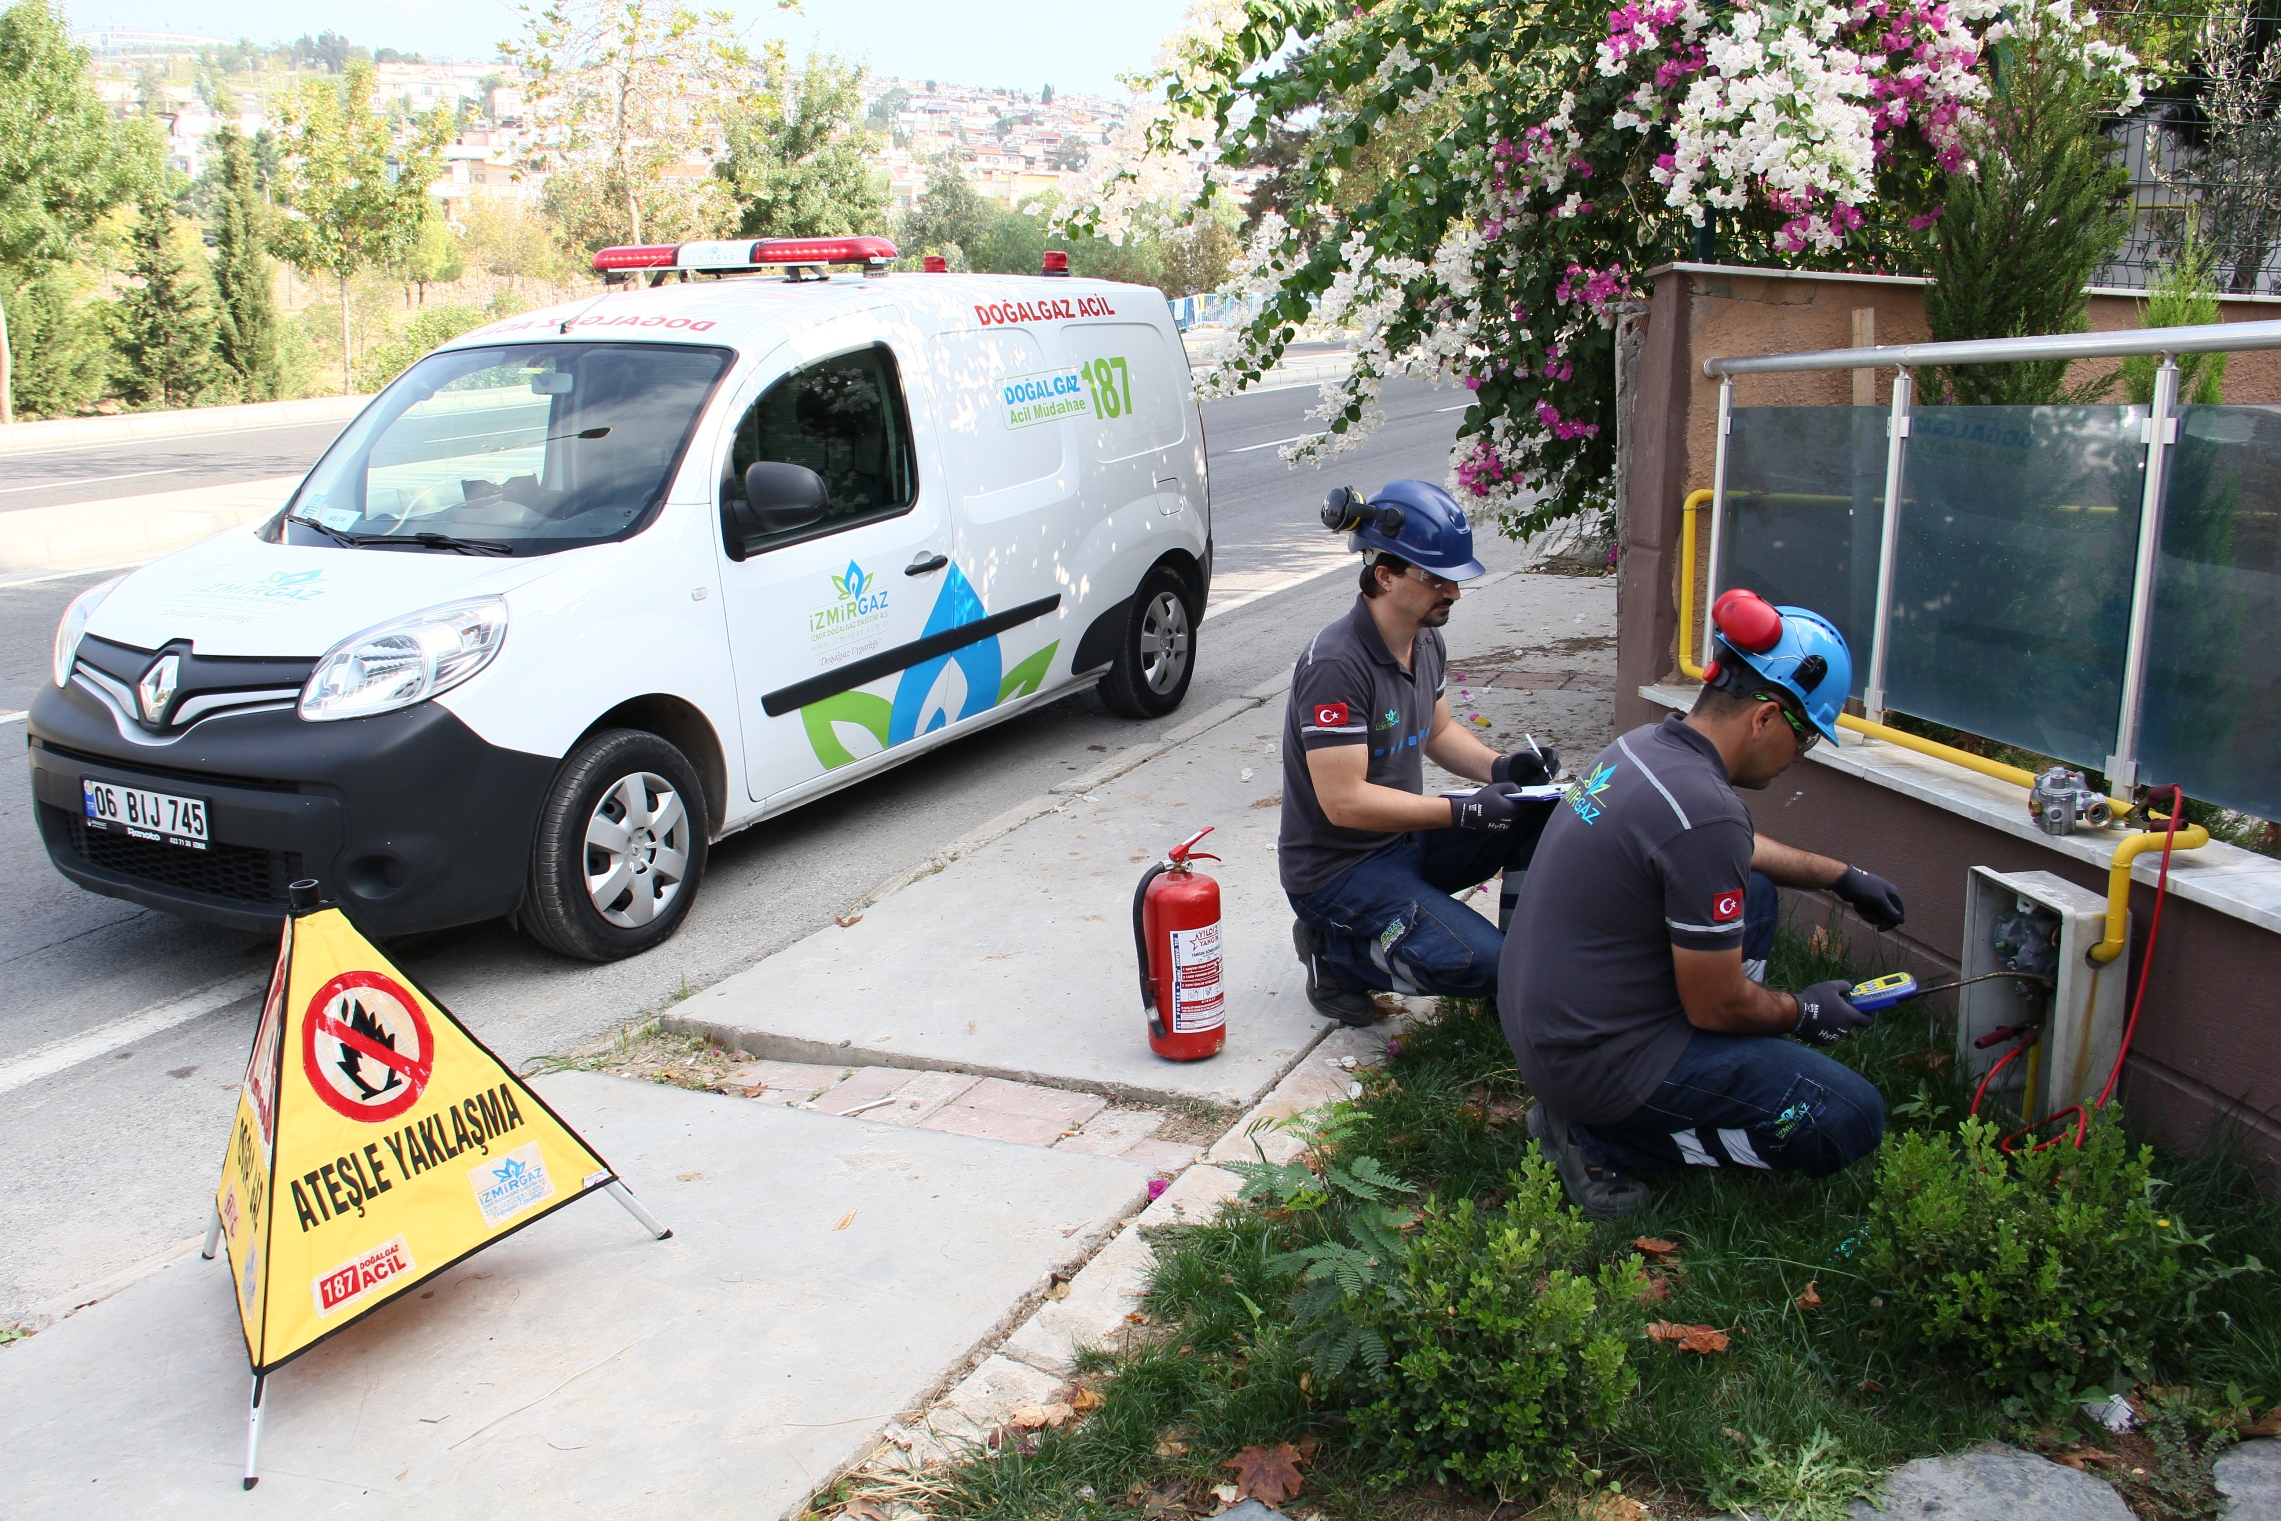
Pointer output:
126, 426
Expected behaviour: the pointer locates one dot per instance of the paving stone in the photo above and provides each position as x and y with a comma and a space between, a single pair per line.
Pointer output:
920, 1097
782, 1082
1317, 1080
997, 1110
2250, 1476
989, 1394
866, 1085
1162, 1156
1112, 1130
1992, 1483
1252, 1510
1108, 1287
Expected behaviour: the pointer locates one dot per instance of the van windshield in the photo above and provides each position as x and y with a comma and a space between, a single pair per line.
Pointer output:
522, 449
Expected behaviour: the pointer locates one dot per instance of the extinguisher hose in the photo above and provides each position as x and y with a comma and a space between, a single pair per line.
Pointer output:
1140, 948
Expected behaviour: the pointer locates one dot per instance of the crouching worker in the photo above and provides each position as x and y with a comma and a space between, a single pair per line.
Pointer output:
1636, 1015
1369, 861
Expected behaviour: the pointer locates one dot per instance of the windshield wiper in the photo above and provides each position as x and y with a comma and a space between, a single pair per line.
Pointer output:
347, 540
433, 541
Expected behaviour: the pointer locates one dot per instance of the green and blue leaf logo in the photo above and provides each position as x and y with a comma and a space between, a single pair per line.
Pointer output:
1584, 796
854, 584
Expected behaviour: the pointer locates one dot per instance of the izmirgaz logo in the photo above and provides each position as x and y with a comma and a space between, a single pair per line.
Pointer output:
854, 622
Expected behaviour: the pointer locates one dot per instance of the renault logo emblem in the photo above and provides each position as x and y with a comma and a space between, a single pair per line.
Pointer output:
156, 689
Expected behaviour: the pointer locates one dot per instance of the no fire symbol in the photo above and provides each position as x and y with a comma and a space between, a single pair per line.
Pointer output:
366, 1046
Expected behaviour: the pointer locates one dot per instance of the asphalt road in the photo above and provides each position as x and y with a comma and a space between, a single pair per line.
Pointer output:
110, 1158
135, 467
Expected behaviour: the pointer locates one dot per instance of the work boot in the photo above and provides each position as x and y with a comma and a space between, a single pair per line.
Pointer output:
1601, 1192
1331, 1000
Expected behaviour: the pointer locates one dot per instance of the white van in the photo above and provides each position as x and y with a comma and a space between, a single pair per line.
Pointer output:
592, 587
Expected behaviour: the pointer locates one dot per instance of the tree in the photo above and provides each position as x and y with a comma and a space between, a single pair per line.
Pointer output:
2025, 231
2184, 294
951, 215
2231, 165
506, 241
1197, 258
799, 160
625, 92
63, 353
355, 197
166, 339
1045, 98
245, 305
436, 258
63, 161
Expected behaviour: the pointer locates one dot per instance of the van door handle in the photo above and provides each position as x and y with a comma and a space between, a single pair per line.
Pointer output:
926, 565
1168, 480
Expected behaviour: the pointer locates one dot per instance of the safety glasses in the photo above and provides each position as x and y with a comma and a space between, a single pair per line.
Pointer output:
1428, 578
1808, 735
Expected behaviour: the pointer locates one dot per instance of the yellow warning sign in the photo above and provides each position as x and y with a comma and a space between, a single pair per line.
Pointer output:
377, 1143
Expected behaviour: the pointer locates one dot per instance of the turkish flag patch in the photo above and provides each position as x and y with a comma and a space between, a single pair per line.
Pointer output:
1330, 715
1726, 907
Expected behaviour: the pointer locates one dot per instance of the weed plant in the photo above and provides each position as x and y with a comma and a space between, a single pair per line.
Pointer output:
1819, 1391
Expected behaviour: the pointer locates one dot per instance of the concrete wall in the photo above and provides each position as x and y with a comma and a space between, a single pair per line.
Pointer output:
2208, 1044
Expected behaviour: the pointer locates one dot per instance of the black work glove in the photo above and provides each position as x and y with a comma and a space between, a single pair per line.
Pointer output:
1491, 809
1875, 899
1824, 1014
1526, 767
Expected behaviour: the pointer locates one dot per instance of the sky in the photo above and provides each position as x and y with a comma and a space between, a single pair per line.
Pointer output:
944, 40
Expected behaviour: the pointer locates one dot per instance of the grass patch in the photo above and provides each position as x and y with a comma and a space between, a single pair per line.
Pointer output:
1816, 1395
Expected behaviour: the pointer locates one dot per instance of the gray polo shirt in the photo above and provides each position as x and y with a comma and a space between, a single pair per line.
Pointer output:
1348, 689
1651, 850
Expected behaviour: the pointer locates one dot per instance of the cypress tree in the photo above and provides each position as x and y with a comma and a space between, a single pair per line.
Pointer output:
166, 339
2026, 228
245, 307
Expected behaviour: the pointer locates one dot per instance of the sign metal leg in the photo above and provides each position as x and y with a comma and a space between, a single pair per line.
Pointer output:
253, 1433
213, 1236
649, 1222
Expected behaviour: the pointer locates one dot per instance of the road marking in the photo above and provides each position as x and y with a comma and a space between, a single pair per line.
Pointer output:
1271, 443
56, 1056
1249, 597
9, 718
1461, 406
66, 575
89, 480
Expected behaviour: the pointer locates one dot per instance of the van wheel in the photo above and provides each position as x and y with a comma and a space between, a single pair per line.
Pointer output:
620, 851
1157, 655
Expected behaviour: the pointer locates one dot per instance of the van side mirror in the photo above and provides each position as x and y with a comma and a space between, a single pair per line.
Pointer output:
777, 497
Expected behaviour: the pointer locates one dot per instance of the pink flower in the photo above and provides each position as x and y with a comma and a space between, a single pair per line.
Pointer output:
1157, 1186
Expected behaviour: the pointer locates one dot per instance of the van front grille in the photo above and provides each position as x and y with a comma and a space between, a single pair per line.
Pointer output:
240, 873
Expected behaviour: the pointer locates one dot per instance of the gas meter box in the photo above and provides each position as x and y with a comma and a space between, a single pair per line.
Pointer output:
2041, 926
588, 588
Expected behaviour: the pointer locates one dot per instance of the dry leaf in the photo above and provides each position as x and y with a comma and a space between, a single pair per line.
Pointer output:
1269, 1475
1226, 1494
1155, 1501
2266, 1425
1655, 1248
756, 1090
846, 1220
863, 1510
1809, 1300
1029, 1417
2083, 1456
1171, 1447
848, 923
1690, 1338
1611, 1508
1084, 1400
1655, 1290
1136, 1317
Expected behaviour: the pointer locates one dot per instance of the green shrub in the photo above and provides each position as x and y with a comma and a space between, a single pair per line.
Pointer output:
2040, 1269
432, 326
1506, 1350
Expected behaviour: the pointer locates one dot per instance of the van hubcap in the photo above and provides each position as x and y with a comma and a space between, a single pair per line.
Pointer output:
637, 849
1164, 642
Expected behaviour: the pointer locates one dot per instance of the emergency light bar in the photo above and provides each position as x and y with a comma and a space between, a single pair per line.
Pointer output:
874, 254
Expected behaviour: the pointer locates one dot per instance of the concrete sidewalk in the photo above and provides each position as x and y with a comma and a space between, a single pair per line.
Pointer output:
823, 1275
131, 530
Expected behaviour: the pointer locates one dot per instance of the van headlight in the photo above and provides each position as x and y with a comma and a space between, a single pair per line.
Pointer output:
410, 660
74, 624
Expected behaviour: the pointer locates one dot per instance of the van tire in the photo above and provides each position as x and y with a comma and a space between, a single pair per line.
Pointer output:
652, 880
1156, 657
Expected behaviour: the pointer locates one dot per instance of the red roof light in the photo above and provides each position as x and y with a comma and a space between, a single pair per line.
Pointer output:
636, 256
872, 253
823, 251
935, 264
1056, 262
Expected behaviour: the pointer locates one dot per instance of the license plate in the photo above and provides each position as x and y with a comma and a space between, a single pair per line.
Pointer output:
145, 815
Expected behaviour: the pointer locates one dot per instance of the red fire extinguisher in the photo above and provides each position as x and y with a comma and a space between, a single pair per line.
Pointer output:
1176, 933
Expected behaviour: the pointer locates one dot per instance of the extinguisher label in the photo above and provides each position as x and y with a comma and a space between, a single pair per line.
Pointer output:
1198, 1002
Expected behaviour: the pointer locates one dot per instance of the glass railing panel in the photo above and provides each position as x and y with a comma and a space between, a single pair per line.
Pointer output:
2212, 719
2012, 584
1805, 505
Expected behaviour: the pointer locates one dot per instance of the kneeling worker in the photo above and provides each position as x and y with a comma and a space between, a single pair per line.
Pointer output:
1636, 1019
1367, 860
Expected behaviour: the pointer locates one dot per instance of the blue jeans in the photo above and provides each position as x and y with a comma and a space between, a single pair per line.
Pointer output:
1388, 922
1746, 1101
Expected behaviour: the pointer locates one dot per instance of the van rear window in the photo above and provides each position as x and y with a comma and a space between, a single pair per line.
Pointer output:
523, 449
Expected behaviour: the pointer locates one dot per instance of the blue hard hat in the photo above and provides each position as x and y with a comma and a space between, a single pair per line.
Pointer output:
1428, 528
1795, 648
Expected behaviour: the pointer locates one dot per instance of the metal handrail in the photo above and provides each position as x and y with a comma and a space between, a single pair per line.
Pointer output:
2208, 338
